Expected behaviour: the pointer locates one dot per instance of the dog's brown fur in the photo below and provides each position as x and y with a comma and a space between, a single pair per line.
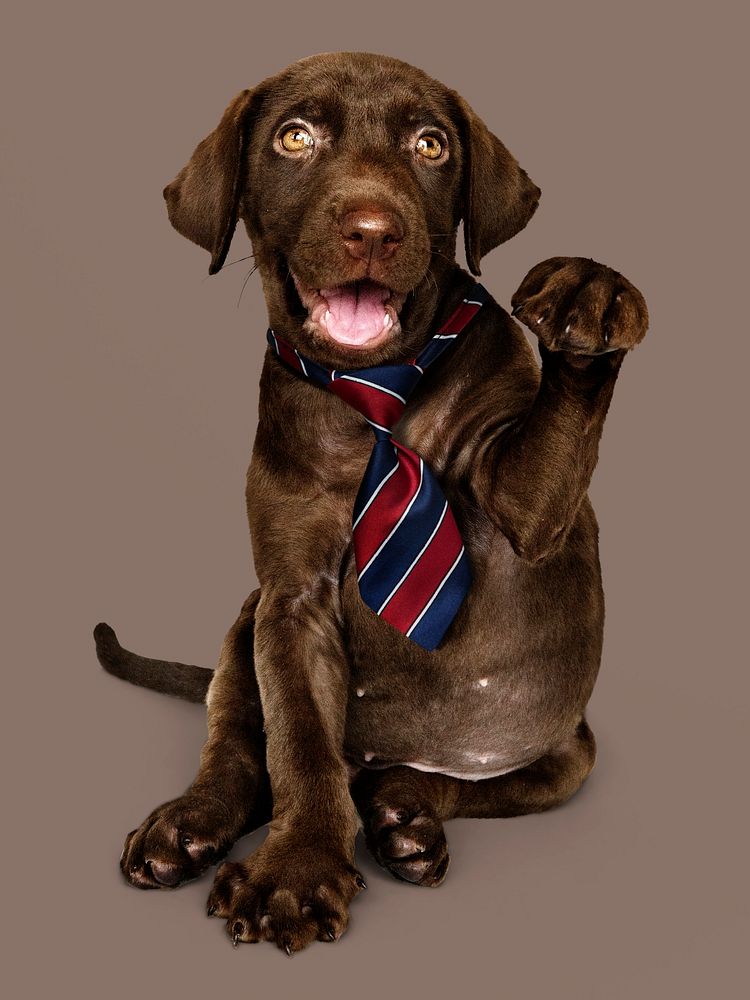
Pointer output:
317, 706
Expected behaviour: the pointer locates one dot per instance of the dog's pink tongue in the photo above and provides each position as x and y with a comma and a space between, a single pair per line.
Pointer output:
356, 312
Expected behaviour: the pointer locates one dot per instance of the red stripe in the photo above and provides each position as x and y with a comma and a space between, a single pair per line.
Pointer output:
287, 355
379, 406
387, 507
407, 603
458, 320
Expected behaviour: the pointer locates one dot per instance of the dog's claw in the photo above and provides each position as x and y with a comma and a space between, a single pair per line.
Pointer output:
516, 310
211, 910
361, 882
288, 949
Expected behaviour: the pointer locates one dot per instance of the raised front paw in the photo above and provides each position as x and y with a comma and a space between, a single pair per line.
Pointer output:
288, 892
574, 304
178, 842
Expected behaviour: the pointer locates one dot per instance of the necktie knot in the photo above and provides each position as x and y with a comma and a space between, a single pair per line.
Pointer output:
379, 394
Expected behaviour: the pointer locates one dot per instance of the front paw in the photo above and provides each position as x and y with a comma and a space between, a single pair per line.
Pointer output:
575, 305
289, 892
178, 842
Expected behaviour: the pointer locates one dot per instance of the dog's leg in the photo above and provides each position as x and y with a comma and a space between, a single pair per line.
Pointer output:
532, 481
229, 796
298, 885
403, 810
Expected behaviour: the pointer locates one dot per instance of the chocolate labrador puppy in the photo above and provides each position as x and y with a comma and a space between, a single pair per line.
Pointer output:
351, 173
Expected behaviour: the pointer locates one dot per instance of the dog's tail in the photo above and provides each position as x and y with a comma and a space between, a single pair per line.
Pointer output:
179, 679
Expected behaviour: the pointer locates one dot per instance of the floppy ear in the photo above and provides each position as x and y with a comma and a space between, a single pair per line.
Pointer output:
498, 196
203, 199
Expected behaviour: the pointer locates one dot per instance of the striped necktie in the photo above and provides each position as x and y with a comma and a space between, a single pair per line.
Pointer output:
412, 567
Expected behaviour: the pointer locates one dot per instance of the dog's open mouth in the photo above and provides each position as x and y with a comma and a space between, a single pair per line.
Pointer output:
356, 314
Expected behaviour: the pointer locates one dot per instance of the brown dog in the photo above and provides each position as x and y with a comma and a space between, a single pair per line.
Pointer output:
351, 173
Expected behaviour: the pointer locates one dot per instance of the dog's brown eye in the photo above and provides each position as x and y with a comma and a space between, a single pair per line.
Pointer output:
429, 146
294, 140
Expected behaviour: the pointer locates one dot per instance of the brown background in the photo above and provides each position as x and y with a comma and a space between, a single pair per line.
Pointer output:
130, 403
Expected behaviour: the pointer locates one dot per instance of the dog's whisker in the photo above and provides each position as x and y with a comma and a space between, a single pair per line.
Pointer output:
431, 276
249, 274
250, 256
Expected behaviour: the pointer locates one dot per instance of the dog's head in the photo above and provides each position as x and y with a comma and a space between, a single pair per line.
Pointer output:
351, 172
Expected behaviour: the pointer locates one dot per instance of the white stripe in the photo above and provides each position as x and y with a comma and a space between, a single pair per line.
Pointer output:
445, 336
374, 556
416, 560
379, 427
275, 342
472, 302
381, 388
426, 608
417, 367
300, 360
380, 487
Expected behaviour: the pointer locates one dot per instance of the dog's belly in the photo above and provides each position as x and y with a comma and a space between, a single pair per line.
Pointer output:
508, 683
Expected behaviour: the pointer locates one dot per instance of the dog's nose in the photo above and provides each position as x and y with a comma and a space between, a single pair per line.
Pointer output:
371, 234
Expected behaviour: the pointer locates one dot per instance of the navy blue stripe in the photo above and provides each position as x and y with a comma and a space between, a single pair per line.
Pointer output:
405, 544
382, 460
478, 294
433, 626
433, 351
315, 372
400, 379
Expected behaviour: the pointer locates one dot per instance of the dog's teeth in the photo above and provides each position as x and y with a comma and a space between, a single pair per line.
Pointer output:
327, 316
387, 321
